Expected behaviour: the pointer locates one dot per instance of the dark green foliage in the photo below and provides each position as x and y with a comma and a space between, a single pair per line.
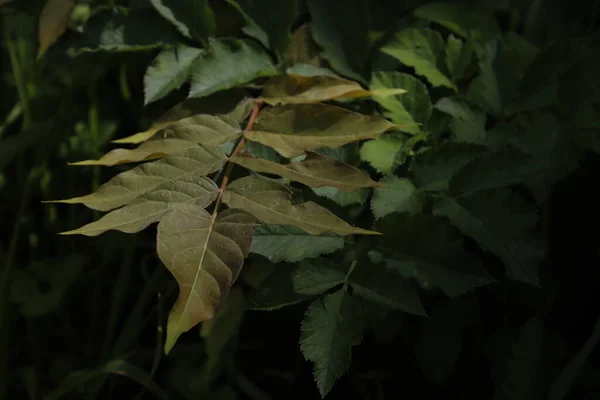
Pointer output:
453, 255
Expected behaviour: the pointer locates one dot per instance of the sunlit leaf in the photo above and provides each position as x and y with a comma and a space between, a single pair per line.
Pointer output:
315, 170
396, 195
170, 69
205, 255
144, 178
150, 207
439, 262
331, 327
53, 22
228, 63
288, 243
409, 111
194, 19
511, 234
296, 89
424, 50
293, 129
381, 153
270, 202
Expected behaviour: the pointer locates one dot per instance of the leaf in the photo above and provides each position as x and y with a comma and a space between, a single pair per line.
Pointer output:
461, 20
458, 57
342, 33
268, 21
439, 262
170, 69
438, 346
121, 29
316, 277
381, 153
316, 170
150, 207
208, 130
433, 169
270, 202
274, 289
385, 287
516, 377
397, 195
293, 129
343, 198
424, 50
468, 122
288, 243
194, 19
494, 169
331, 327
503, 223
53, 22
296, 89
144, 178
205, 255
409, 111
229, 63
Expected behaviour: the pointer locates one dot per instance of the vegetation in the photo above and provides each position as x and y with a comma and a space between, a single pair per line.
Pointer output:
404, 187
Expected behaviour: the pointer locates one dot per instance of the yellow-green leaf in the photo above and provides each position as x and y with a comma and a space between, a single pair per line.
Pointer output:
144, 178
150, 207
205, 254
146, 151
270, 202
293, 129
53, 22
296, 89
316, 170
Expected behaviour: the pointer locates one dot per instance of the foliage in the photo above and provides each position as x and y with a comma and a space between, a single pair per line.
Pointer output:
380, 176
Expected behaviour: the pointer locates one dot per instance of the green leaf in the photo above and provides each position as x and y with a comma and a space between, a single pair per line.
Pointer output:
144, 178
516, 377
228, 63
503, 223
433, 169
397, 195
54, 19
494, 169
486, 89
293, 129
170, 69
458, 57
151, 206
424, 50
269, 21
296, 89
194, 19
439, 262
308, 70
438, 346
461, 20
381, 153
288, 243
272, 286
409, 111
316, 170
342, 33
120, 29
270, 202
205, 255
468, 122
386, 287
330, 329
316, 277
343, 198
